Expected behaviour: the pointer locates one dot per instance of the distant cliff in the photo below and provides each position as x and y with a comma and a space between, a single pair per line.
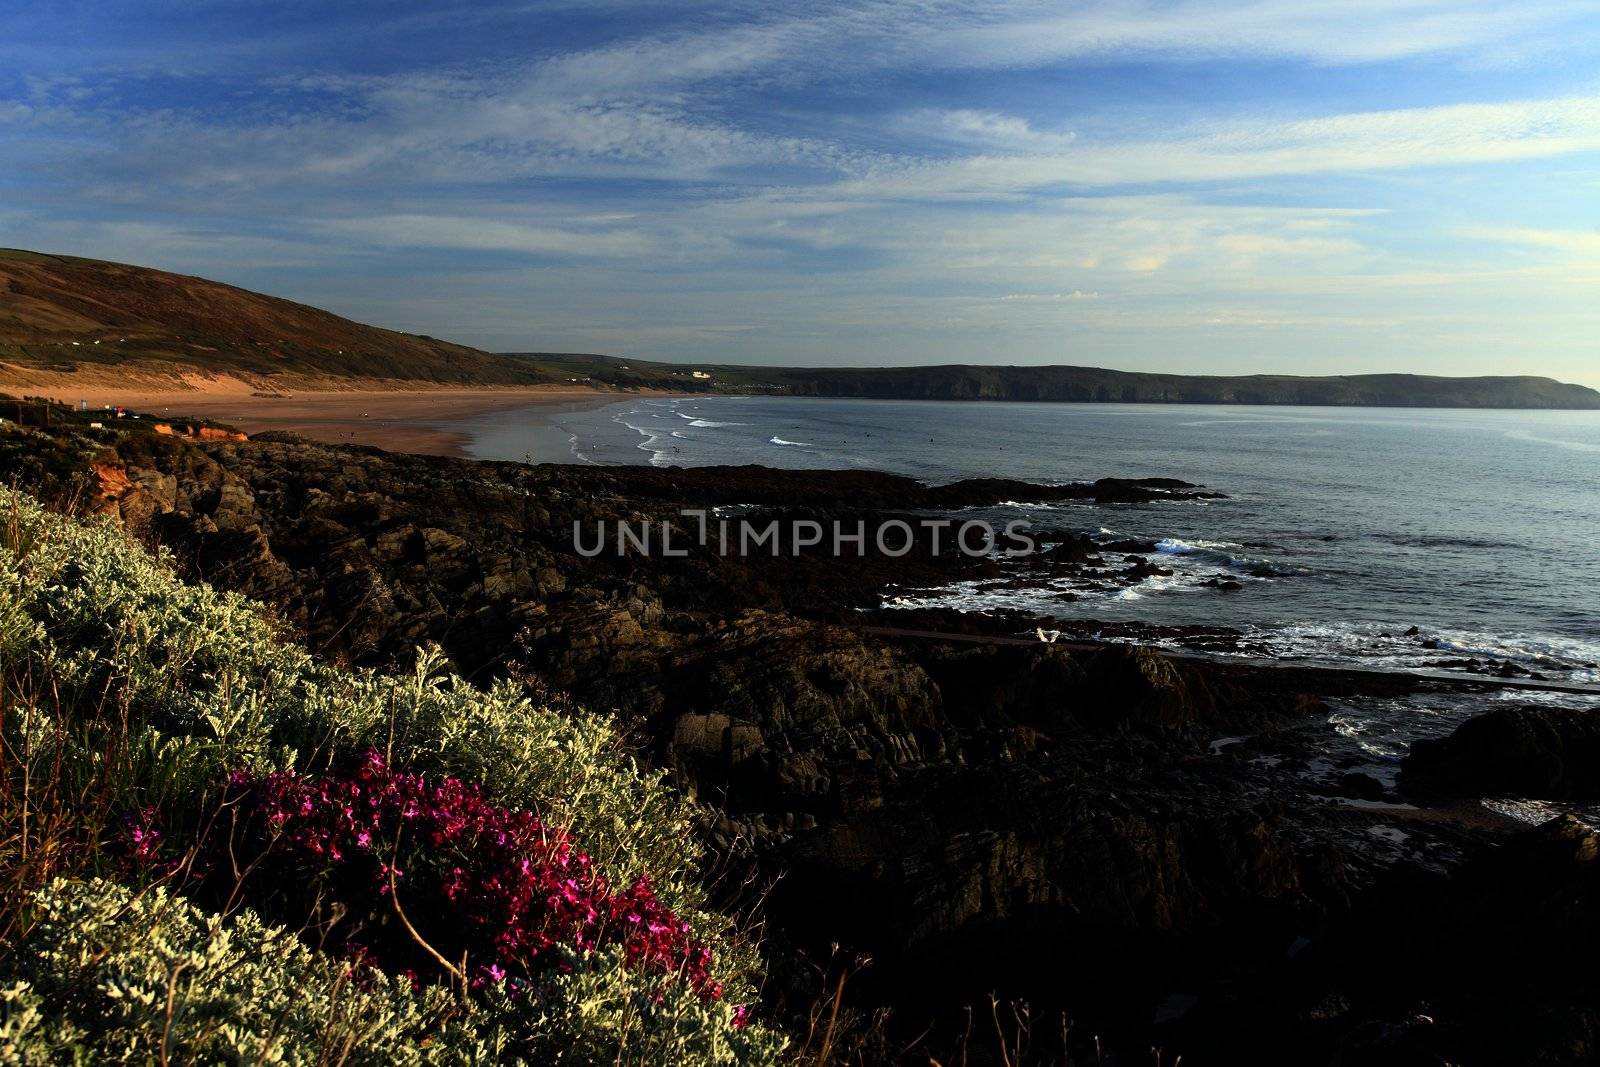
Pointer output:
965, 381
1093, 384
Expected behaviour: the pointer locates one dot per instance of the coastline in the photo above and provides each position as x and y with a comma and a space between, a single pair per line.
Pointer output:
412, 420
964, 752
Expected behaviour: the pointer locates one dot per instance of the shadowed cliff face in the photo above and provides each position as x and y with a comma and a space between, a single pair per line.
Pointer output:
1038, 821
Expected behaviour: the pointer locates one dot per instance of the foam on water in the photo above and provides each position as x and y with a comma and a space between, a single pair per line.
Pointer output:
1226, 553
703, 423
1025, 505
1475, 526
572, 446
1374, 645
1528, 812
1173, 546
1197, 566
1047, 596
654, 428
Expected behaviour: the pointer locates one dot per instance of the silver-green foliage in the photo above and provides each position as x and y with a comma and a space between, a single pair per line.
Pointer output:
110, 976
199, 683
214, 688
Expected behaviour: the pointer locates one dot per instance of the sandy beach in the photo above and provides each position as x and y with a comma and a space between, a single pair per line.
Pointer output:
401, 420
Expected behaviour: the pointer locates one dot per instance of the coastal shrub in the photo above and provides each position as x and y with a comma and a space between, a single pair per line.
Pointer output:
204, 684
124, 691
107, 975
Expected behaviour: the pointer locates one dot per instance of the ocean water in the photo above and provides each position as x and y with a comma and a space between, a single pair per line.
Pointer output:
1344, 526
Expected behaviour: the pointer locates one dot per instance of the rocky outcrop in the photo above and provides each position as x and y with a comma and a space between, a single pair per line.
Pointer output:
200, 433
1480, 965
385, 550
1045, 821
111, 484
1535, 752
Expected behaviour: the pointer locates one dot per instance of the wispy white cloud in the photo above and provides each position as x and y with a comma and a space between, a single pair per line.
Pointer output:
189, 247
1328, 31
832, 38
493, 235
984, 131
1357, 142
849, 174
1582, 243
1049, 298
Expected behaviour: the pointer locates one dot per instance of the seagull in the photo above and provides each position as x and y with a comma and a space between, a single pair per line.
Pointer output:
1049, 637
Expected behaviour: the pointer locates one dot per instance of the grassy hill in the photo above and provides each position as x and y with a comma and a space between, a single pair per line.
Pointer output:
68, 314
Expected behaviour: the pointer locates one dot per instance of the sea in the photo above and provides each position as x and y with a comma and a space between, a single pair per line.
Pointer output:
1344, 528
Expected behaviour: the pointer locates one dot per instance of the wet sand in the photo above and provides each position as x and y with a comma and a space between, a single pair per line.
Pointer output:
397, 420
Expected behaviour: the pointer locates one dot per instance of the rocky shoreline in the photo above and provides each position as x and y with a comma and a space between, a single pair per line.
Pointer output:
1158, 851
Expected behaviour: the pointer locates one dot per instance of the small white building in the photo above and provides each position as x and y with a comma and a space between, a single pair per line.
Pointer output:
700, 374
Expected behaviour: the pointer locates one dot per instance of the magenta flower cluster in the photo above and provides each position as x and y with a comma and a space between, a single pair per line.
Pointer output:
495, 883
141, 835
138, 844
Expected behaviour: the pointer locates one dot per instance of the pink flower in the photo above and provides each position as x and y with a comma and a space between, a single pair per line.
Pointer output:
497, 881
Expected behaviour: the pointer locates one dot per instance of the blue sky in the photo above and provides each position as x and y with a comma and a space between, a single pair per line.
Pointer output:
1227, 186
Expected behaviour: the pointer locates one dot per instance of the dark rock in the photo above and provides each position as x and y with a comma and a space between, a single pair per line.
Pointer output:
1381, 1043
1142, 568
1135, 686
1072, 549
1128, 545
1485, 956
1536, 752
1360, 786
